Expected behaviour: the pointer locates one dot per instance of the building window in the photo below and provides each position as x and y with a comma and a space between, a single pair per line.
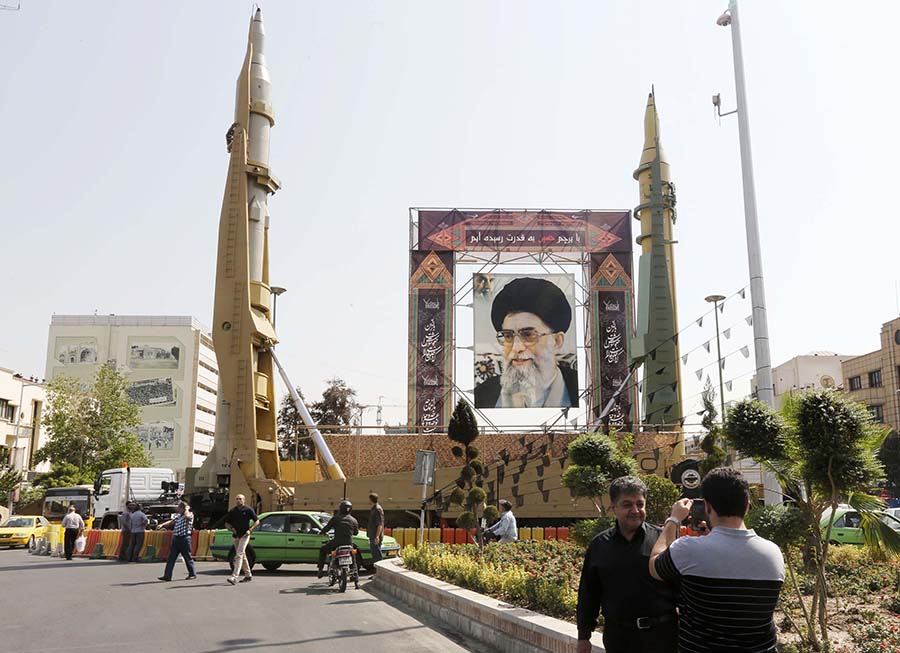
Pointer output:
204, 432
204, 409
855, 383
877, 413
201, 453
875, 379
209, 367
7, 410
206, 387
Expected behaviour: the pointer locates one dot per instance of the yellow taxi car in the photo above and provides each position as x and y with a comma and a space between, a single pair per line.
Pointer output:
21, 530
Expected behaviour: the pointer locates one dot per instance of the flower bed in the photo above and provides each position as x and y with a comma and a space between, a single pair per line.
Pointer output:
864, 603
540, 576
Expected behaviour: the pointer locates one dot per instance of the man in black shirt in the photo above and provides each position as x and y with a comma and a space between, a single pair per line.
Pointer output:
345, 527
638, 611
242, 520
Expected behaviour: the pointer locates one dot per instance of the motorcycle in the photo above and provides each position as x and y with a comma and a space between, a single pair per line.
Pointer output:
342, 567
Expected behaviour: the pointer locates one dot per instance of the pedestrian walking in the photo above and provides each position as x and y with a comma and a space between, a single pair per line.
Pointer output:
242, 520
73, 526
125, 531
138, 525
375, 528
638, 611
729, 580
505, 530
182, 527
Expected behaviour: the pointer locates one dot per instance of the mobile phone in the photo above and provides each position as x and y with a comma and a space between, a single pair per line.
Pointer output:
698, 514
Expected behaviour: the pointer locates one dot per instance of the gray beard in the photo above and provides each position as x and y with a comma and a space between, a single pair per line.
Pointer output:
529, 382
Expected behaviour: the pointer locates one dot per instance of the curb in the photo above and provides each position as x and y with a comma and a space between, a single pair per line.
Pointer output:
488, 620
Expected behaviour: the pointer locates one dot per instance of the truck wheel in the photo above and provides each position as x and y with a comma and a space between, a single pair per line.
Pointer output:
271, 566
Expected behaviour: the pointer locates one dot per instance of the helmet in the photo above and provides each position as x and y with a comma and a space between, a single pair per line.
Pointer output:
345, 507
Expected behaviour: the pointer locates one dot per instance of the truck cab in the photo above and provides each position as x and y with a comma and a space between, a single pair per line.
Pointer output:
116, 487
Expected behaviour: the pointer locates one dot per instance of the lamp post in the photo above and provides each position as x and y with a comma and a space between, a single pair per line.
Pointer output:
715, 299
765, 389
276, 291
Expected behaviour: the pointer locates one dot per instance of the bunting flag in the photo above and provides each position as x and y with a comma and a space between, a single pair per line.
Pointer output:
699, 373
675, 339
684, 359
722, 363
551, 437
562, 462
540, 470
486, 472
651, 395
742, 292
640, 386
530, 447
516, 478
572, 492
668, 409
702, 412
706, 345
722, 307
540, 486
520, 501
674, 385
728, 385
438, 497
504, 456
545, 461
491, 487
522, 440
501, 474
681, 421
727, 333
745, 350
661, 370
749, 320
700, 322
653, 355
542, 449
514, 490
545, 495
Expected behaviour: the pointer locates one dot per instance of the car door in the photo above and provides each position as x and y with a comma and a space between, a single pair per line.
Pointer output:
269, 539
846, 529
304, 540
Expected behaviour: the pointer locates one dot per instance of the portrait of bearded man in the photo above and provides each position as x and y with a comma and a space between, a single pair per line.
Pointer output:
531, 317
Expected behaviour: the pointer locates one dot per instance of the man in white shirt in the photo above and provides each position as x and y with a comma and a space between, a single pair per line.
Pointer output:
74, 527
505, 529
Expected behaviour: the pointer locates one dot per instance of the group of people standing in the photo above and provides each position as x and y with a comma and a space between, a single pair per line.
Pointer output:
661, 593
133, 524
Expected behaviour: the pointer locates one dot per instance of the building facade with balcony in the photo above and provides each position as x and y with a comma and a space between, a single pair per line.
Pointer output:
171, 368
874, 378
22, 402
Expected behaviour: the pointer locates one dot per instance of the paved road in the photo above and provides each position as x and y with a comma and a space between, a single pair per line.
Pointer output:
49, 604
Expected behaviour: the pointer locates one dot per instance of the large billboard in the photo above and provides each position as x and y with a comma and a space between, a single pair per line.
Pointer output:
525, 341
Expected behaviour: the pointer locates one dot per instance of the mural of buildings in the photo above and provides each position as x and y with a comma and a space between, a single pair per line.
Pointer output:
170, 364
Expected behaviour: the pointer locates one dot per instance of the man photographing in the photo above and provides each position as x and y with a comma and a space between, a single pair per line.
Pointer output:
729, 580
531, 317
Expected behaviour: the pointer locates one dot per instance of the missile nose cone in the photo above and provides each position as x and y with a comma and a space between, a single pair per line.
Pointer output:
652, 147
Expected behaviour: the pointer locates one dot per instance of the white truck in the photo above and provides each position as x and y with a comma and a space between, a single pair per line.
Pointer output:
155, 488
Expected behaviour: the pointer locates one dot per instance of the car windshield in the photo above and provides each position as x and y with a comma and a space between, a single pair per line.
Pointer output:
18, 522
891, 521
321, 517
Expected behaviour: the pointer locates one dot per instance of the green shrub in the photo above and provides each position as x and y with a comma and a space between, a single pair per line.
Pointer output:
661, 494
584, 531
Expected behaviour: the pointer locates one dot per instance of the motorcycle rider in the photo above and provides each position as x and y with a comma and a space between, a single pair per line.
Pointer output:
345, 527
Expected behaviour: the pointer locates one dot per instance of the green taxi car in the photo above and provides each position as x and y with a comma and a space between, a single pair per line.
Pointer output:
846, 529
289, 537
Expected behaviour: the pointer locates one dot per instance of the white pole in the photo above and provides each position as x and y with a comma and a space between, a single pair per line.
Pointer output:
765, 390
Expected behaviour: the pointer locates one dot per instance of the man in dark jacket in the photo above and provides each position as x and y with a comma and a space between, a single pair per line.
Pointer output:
638, 611
345, 527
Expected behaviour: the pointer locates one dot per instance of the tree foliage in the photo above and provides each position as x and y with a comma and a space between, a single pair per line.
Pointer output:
715, 454
823, 450
595, 460
92, 427
337, 406
9, 481
463, 429
661, 494
889, 455
294, 440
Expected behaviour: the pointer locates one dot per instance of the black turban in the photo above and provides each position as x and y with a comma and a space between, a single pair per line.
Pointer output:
538, 296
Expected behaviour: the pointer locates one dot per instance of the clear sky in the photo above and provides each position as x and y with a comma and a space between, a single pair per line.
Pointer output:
113, 159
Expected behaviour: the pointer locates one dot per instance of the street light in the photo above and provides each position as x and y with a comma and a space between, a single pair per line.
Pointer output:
765, 388
714, 300
277, 291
